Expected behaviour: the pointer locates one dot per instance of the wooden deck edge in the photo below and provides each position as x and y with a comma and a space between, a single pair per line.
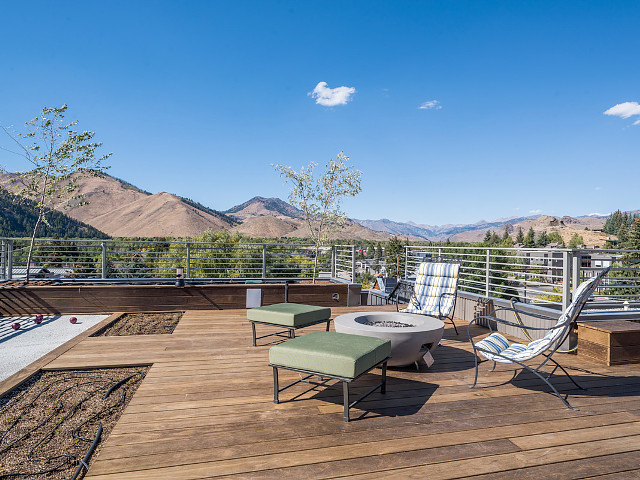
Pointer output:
27, 372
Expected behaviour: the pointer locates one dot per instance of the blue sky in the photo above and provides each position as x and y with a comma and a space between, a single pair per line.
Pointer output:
200, 98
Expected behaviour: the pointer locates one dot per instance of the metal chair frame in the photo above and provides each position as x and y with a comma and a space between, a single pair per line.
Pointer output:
569, 324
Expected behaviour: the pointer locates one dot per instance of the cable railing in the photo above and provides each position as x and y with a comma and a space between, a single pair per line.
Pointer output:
151, 260
545, 276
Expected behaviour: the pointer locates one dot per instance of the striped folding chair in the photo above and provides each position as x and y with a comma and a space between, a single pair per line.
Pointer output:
435, 291
498, 349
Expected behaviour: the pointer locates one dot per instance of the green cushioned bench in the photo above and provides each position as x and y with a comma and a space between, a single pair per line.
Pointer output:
337, 356
290, 316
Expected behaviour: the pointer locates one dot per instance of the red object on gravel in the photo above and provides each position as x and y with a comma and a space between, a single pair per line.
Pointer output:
38, 319
15, 326
73, 319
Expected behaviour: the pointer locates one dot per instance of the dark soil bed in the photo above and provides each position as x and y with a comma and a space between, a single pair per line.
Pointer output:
48, 424
141, 324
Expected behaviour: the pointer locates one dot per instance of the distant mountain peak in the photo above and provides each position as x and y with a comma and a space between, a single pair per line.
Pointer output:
261, 206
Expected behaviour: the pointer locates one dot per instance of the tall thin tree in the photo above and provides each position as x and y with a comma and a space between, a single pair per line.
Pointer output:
58, 156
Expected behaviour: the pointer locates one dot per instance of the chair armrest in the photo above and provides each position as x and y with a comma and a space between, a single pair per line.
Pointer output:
453, 294
532, 314
513, 324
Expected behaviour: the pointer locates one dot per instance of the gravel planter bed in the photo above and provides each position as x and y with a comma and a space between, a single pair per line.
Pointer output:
141, 324
48, 424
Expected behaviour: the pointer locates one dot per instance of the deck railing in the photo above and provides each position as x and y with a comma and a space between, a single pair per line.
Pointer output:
146, 260
536, 275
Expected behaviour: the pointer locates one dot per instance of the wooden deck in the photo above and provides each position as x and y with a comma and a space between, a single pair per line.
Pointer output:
205, 410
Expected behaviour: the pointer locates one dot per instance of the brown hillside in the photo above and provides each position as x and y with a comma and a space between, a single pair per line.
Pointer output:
121, 210
352, 231
565, 226
159, 215
266, 227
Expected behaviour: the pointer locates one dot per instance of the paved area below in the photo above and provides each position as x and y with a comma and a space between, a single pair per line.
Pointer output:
19, 348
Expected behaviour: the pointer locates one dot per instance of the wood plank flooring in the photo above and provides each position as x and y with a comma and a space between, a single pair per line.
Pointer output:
205, 410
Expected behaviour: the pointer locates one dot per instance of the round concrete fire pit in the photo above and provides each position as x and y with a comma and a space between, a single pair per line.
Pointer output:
413, 337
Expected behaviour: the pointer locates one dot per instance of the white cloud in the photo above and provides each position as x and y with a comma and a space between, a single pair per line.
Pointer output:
637, 122
598, 188
430, 105
535, 211
624, 110
330, 97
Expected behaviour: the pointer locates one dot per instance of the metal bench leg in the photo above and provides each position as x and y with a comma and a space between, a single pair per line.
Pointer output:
253, 327
328, 322
275, 385
383, 387
345, 393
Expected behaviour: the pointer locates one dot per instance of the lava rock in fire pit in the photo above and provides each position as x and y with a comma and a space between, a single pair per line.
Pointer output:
386, 324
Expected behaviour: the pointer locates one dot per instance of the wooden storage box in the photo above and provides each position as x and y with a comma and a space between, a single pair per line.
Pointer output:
611, 343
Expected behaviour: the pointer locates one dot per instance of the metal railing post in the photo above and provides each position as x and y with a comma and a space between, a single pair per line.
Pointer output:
575, 270
104, 261
353, 263
439, 255
188, 271
264, 260
10, 259
487, 287
566, 279
406, 262
333, 261
3, 260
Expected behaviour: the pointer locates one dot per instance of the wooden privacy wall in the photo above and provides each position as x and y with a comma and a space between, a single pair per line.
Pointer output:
15, 301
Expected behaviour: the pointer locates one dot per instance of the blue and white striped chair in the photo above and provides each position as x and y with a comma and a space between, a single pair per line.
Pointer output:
498, 349
435, 291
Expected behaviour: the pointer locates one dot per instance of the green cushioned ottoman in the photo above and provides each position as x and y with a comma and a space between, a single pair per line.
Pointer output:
287, 315
333, 355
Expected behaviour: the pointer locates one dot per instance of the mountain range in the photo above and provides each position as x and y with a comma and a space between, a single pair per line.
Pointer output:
566, 226
120, 209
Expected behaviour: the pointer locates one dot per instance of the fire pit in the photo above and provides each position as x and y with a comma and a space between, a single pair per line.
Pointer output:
413, 337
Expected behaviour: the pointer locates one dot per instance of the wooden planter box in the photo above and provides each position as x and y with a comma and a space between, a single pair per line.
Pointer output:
31, 300
611, 343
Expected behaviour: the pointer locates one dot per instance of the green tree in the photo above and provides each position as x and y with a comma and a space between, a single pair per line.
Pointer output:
507, 242
394, 257
487, 237
633, 238
506, 235
520, 236
555, 237
543, 239
320, 198
58, 157
529, 239
575, 241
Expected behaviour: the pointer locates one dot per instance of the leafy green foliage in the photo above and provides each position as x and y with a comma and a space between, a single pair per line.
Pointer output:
575, 241
320, 197
395, 257
555, 237
529, 239
543, 239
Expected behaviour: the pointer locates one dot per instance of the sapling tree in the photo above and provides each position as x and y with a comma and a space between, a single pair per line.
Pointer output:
58, 157
320, 197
